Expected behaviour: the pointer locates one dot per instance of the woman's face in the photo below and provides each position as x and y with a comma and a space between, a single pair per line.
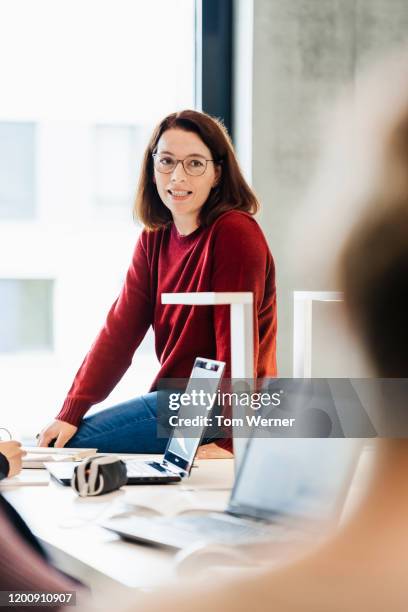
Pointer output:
182, 193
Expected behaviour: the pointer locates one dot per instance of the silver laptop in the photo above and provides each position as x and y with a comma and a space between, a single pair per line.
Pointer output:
284, 487
184, 440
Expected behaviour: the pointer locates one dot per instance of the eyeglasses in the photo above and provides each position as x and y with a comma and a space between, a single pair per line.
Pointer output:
194, 166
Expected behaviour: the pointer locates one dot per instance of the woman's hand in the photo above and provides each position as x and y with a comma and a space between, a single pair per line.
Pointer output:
212, 451
60, 431
14, 453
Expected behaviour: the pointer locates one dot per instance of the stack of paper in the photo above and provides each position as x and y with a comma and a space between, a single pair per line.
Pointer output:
26, 479
37, 455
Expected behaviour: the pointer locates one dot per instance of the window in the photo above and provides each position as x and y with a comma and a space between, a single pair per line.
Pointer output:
70, 156
17, 170
26, 315
117, 155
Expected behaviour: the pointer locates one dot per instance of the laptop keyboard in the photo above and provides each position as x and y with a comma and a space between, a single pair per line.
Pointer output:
181, 531
136, 468
223, 528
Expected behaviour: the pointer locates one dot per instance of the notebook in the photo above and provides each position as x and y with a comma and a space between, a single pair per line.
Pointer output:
37, 456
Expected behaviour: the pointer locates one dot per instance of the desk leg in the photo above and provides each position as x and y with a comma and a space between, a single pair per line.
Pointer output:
242, 363
302, 339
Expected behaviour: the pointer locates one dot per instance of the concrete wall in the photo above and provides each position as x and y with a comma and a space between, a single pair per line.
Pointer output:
304, 51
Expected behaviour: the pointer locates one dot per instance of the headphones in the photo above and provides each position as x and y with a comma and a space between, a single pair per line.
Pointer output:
98, 475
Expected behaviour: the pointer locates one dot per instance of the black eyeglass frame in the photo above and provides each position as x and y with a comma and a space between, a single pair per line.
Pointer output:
181, 161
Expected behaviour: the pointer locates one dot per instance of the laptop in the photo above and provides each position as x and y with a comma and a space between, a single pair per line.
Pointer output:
285, 489
184, 440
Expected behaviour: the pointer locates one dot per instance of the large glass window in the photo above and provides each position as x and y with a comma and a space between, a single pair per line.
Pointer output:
81, 88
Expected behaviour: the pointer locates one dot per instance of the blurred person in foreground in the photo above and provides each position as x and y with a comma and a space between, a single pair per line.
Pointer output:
24, 565
363, 565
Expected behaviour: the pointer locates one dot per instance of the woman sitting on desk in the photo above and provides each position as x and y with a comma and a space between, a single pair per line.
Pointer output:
199, 235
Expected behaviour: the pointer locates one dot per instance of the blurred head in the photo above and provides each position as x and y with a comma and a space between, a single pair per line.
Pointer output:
189, 168
373, 262
373, 272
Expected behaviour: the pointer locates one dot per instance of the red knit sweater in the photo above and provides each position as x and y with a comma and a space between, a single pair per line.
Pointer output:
230, 255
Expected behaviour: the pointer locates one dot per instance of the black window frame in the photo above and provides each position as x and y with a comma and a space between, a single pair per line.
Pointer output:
213, 61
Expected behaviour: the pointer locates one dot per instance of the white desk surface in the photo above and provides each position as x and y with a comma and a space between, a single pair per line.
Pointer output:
66, 523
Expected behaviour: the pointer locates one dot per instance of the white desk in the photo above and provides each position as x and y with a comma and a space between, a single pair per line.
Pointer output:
65, 523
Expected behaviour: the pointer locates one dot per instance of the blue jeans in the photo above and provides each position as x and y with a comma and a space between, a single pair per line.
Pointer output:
130, 427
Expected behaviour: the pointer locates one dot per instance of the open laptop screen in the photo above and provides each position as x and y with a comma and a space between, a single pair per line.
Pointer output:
296, 477
184, 441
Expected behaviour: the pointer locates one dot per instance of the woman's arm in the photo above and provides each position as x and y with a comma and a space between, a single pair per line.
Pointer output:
111, 354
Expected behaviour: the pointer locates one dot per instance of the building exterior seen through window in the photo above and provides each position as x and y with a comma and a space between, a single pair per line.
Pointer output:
26, 322
17, 170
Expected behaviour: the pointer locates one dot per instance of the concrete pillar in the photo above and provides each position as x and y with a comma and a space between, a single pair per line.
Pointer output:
304, 51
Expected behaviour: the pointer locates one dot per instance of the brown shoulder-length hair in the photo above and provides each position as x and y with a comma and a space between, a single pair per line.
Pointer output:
232, 192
